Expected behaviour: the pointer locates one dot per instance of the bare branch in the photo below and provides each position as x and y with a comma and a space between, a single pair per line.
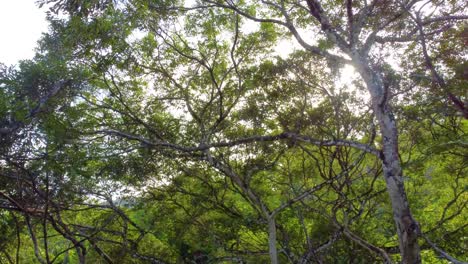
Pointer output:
443, 18
441, 252
288, 24
368, 245
243, 141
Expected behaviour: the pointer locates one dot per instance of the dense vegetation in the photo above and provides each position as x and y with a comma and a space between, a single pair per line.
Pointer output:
219, 131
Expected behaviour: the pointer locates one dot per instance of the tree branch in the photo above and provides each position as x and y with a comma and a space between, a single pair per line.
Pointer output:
243, 141
441, 252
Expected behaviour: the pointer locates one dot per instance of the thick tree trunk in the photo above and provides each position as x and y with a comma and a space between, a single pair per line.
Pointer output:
272, 240
407, 227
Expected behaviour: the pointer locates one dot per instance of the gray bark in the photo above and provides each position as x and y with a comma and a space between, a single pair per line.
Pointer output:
407, 227
272, 240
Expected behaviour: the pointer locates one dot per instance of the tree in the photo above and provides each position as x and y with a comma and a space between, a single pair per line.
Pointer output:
234, 138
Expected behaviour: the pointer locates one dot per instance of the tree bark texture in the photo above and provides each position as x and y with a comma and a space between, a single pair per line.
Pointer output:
407, 227
272, 240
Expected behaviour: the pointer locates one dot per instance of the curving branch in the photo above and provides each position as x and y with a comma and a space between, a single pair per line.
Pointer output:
243, 141
444, 18
287, 24
368, 246
437, 78
441, 252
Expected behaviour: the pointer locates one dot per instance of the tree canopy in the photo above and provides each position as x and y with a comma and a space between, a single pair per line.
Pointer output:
220, 131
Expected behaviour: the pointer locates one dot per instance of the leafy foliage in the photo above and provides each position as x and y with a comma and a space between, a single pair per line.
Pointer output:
153, 132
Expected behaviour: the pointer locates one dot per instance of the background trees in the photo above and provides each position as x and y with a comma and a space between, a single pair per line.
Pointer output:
167, 132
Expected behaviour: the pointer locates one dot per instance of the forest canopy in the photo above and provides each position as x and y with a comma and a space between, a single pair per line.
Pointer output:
225, 131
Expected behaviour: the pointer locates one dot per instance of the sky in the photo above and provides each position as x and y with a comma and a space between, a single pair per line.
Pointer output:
21, 26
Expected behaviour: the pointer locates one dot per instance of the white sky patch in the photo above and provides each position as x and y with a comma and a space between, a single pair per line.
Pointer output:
249, 26
21, 26
347, 76
285, 47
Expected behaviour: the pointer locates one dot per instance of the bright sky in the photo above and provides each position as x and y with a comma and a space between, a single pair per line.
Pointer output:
21, 25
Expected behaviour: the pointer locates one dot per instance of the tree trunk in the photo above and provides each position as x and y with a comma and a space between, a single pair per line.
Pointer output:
272, 240
407, 227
